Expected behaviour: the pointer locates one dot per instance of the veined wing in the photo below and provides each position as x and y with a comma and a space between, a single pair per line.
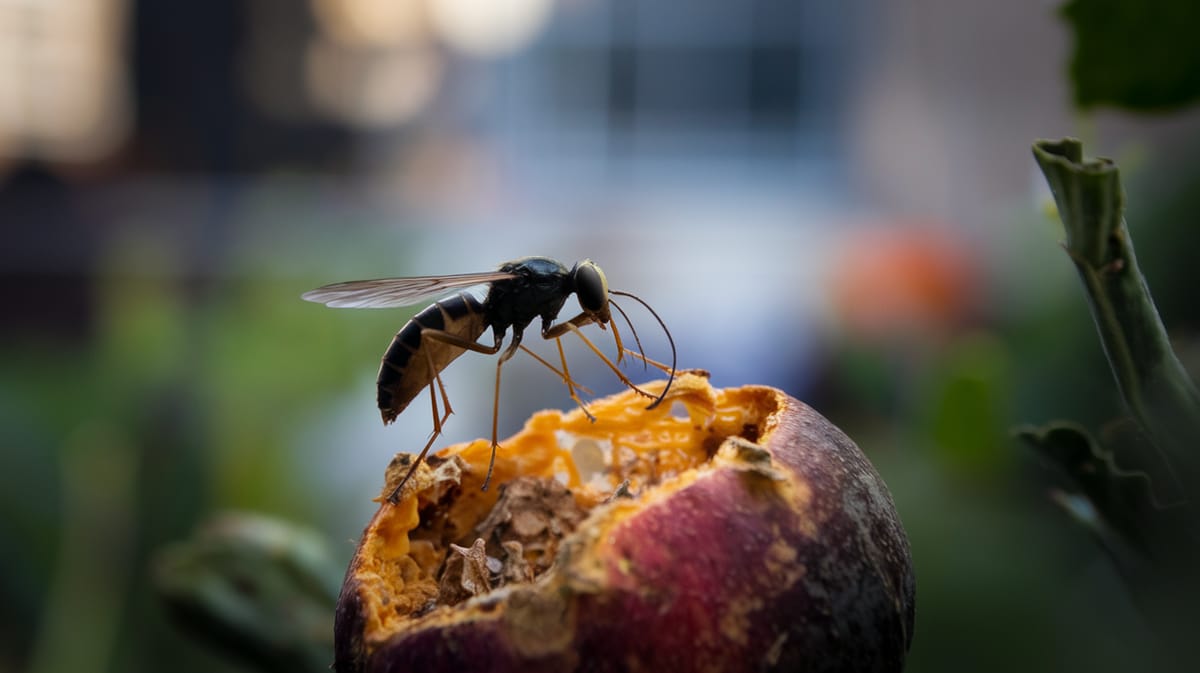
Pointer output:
391, 292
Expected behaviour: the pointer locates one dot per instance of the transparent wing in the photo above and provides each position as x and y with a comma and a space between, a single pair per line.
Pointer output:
390, 292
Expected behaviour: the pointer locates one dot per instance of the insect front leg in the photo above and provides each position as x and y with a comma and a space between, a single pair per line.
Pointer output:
665, 368
550, 331
573, 325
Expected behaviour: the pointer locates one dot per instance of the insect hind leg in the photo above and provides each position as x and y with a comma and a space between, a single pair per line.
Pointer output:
437, 425
394, 496
436, 387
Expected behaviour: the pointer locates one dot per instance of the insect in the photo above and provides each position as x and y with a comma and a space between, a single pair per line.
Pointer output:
518, 292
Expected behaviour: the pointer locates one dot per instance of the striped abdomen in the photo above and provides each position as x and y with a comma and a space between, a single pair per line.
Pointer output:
406, 369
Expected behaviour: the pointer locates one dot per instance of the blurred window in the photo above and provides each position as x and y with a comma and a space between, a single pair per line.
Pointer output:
63, 94
707, 82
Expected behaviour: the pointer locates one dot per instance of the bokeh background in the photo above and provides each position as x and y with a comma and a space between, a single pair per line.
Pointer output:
834, 198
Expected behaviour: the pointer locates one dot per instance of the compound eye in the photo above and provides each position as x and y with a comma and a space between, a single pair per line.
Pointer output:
591, 287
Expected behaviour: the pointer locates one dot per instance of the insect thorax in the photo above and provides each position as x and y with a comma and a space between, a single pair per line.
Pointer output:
539, 290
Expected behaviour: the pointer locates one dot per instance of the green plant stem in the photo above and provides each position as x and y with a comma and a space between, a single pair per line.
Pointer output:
1152, 382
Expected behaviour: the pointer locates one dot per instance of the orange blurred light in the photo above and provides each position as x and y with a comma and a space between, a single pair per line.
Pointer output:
903, 280
371, 88
373, 23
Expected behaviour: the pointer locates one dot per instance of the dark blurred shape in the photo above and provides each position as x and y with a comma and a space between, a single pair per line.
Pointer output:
46, 265
193, 109
1135, 54
1134, 510
258, 588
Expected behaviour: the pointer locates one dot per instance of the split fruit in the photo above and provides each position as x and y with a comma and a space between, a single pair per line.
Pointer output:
725, 530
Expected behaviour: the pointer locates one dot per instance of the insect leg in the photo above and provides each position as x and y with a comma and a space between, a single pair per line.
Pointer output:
573, 325
636, 340
564, 377
445, 399
570, 384
436, 380
617, 338
555, 331
666, 369
613, 367
508, 353
670, 378
455, 340
394, 496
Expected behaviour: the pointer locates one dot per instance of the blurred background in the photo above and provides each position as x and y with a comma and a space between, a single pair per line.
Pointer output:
837, 199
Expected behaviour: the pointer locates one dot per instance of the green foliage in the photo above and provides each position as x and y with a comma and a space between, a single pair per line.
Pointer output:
1153, 383
1133, 491
1135, 54
968, 405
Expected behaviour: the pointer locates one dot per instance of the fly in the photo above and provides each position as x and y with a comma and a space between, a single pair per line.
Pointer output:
519, 292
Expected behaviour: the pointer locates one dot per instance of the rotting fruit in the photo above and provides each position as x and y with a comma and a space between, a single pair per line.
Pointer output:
725, 530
